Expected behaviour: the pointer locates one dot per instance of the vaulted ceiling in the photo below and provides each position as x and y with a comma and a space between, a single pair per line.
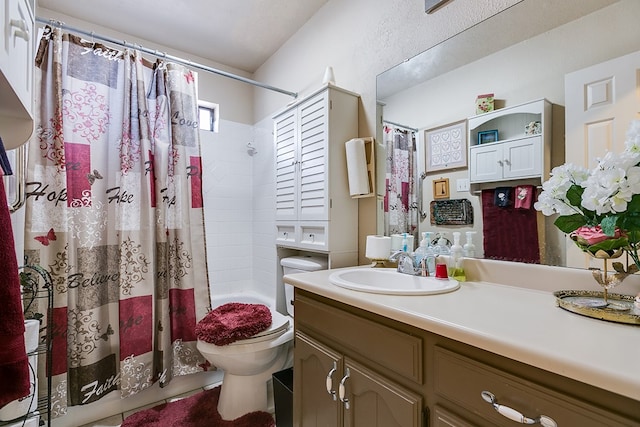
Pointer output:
238, 33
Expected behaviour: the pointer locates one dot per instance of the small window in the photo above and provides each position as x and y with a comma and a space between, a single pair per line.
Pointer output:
208, 116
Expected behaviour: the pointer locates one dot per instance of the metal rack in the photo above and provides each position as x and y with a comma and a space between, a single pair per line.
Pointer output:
36, 285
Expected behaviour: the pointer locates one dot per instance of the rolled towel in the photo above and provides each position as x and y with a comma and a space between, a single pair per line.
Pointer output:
232, 322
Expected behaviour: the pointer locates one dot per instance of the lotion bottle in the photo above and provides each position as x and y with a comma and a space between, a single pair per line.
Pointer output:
456, 269
469, 249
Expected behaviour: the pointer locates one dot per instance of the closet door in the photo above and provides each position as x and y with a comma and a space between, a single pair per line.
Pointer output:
313, 154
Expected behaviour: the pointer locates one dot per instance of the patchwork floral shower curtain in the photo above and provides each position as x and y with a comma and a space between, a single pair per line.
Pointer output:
400, 203
114, 212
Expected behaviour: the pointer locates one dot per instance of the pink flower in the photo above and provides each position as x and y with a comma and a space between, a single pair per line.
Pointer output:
592, 235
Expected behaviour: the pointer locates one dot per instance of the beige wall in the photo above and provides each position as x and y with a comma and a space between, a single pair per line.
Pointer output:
360, 39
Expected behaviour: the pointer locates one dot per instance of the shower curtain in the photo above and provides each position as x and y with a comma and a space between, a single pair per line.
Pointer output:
114, 213
400, 203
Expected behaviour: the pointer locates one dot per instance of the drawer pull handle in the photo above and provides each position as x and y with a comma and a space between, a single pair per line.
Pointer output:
329, 383
514, 415
342, 391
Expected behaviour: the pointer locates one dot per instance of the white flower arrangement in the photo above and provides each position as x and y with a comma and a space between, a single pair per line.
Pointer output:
599, 208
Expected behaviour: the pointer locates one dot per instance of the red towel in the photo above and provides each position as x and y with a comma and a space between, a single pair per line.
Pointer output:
524, 196
14, 364
233, 321
509, 234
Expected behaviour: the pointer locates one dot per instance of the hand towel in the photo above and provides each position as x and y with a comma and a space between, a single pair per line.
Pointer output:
502, 197
509, 234
14, 364
233, 321
524, 196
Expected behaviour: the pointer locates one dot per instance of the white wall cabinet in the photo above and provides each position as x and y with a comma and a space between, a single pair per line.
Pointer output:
513, 154
314, 210
16, 72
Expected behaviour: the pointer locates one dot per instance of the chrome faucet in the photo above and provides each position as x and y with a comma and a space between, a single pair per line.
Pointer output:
406, 263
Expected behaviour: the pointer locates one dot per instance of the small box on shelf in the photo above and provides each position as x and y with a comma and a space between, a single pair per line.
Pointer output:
484, 103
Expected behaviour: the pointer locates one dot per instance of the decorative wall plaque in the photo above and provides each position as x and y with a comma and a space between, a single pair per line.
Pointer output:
451, 212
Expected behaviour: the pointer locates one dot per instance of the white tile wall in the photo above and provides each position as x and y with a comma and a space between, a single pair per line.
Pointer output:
238, 191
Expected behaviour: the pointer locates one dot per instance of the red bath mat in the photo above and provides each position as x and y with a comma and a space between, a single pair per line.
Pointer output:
233, 321
199, 410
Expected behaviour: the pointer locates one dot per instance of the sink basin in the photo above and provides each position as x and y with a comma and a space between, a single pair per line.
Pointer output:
389, 281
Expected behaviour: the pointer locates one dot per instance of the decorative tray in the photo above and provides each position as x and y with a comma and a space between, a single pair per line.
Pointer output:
620, 308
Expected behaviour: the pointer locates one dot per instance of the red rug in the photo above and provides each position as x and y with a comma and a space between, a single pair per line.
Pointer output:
199, 410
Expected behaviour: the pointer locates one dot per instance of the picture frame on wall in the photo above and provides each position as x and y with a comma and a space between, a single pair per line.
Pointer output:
446, 147
487, 136
441, 188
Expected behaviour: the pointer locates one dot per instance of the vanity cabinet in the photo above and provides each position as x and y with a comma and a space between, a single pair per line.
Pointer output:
314, 210
345, 380
16, 71
500, 149
395, 374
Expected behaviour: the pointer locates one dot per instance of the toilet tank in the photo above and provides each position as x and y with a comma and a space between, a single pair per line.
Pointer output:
299, 264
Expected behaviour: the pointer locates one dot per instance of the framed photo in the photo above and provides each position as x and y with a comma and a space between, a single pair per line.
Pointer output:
441, 188
446, 147
487, 136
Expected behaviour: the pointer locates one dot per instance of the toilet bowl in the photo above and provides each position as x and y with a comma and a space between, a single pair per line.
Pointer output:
248, 365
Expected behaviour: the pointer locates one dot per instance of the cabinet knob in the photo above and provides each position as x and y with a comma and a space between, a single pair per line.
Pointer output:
329, 382
507, 162
514, 415
342, 390
500, 163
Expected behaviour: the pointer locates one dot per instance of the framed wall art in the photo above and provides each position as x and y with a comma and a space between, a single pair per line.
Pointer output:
446, 147
441, 188
487, 136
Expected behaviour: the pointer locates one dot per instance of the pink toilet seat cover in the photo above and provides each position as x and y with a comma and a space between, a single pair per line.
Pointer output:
232, 322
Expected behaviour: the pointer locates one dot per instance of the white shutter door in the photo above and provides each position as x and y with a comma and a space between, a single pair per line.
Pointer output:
313, 196
286, 181
601, 101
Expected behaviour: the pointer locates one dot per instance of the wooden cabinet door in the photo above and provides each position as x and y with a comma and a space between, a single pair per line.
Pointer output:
373, 401
523, 158
286, 141
313, 119
314, 364
485, 163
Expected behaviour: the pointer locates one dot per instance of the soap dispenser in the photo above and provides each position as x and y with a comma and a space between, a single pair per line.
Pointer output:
425, 254
441, 247
456, 269
469, 249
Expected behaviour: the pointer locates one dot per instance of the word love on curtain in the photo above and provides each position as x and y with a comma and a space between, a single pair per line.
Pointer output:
400, 202
115, 214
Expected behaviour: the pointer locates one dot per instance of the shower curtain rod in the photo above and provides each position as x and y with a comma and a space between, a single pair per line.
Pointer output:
163, 55
399, 125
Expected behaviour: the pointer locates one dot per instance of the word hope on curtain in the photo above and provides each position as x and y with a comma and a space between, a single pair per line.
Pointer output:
115, 214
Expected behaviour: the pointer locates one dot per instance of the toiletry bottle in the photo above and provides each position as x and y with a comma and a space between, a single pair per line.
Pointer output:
456, 269
469, 249
422, 254
441, 247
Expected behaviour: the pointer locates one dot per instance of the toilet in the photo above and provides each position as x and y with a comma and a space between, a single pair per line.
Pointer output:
299, 264
249, 364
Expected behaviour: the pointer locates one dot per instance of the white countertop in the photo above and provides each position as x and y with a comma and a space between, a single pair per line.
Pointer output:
516, 322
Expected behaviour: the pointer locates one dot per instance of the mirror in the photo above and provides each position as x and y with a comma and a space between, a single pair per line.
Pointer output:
520, 54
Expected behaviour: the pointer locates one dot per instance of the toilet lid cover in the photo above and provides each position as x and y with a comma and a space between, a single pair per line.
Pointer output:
279, 325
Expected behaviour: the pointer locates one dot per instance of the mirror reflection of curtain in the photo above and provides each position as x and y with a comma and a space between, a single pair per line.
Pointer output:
114, 213
400, 203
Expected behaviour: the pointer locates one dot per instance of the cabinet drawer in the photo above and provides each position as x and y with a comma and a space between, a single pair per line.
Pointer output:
314, 236
285, 234
395, 350
462, 380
